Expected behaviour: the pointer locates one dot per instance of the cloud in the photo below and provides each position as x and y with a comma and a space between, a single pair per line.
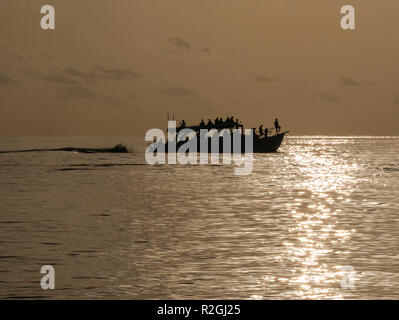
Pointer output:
5, 80
68, 92
118, 74
179, 43
266, 79
57, 78
348, 82
204, 51
180, 46
328, 97
99, 72
74, 72
70, 81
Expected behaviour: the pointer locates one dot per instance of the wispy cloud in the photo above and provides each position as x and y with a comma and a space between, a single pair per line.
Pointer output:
76, 91
117, 74
204, 51
99, 72
55, 77
348, 82
327, 97
179, 43
5, 80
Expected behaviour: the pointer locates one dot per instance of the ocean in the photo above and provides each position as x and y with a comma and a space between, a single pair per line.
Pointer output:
317, 220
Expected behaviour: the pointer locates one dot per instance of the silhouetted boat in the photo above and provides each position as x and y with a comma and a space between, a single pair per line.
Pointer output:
260, 144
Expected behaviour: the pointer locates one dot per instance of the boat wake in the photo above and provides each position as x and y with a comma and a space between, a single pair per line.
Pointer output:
117, 149
74, 167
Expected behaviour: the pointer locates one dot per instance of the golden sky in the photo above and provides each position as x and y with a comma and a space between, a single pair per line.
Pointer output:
118, 67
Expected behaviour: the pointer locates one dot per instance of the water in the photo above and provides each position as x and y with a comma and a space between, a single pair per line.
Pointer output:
135, 231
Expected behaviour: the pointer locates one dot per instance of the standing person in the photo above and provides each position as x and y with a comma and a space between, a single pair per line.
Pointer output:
261, 130
277, 126
182, 125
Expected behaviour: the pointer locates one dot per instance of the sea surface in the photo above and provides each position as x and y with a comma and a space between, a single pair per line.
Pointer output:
317, 220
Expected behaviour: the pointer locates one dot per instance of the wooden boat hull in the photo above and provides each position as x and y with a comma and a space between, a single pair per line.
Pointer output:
260, 145
269, 144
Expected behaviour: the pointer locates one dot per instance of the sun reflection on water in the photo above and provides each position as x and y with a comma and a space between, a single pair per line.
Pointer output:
314, 234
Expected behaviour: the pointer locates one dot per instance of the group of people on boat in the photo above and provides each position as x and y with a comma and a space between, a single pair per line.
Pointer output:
218, 123
230, 123
264, 132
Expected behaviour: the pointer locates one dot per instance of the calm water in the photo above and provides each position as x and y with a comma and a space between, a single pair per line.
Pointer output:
114, 227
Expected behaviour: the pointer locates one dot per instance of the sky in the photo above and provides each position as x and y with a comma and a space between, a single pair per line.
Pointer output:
119, 67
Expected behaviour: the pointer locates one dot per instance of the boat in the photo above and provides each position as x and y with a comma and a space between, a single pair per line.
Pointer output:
261, 144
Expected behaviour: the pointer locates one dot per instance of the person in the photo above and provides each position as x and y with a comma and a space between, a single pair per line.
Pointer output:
182, 124
217, 122
261, 130
202, 124
277, 126
237, 123
266, 132
210, 124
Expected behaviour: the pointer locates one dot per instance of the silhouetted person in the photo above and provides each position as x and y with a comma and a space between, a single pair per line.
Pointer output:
210, 124
261, 130
183, 124
277, 126
266, 132
229, 122
237, 123
202, 124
